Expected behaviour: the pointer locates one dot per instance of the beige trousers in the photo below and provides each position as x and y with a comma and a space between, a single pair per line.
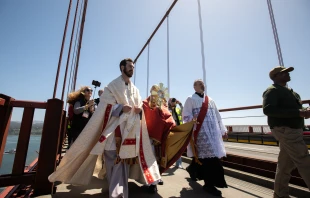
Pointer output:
293, 153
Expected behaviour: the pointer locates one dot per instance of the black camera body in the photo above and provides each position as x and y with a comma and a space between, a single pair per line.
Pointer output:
96, 83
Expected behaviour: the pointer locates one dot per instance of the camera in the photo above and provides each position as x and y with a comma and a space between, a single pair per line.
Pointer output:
96, 83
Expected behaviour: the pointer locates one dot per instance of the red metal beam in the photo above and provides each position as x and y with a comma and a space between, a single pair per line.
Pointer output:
32, 104
253, 107
241, 108
10, 190
49, 146
154, 32
31, 166
259, 167
10, 180
23, 141
5, 118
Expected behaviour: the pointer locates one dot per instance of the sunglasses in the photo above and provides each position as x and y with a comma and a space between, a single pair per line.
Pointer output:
89, 90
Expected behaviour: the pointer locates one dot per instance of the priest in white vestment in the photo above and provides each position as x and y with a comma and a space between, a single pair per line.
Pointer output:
117, 131
209, 143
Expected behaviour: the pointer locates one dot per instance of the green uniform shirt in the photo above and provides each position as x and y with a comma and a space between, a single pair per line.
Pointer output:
281, 105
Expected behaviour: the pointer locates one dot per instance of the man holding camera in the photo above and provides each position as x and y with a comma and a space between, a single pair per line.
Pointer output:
177, 116
286, 117
97, 100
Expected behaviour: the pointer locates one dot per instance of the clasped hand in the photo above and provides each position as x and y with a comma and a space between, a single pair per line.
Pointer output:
127, 108
195, 120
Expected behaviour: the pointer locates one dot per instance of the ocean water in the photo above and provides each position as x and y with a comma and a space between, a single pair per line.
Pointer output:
8, 159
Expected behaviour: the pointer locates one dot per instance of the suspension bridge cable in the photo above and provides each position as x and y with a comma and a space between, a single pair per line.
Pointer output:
148, 69
80, 40
168, 57
202, 46
73, 55
275, 33
69, 51
61, 49
154, 32
134, 79
73, 61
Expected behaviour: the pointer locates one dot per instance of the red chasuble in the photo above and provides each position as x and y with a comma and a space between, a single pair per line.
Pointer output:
158, 122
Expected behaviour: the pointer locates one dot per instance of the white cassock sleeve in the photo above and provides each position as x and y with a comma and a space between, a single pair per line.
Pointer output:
187, 113
221, 126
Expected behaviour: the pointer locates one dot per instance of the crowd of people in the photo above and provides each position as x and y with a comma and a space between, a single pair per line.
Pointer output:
131, 137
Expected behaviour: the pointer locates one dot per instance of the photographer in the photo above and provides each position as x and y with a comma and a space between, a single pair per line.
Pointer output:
177, 116
83, 108
97, 100
176, 111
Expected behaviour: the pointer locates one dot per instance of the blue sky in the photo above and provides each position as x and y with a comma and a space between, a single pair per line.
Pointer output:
239, 48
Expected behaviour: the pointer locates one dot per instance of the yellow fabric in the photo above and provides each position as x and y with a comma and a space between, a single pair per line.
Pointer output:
176, 140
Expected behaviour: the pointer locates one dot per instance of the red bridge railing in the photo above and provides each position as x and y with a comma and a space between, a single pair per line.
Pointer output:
253, 107
53, 134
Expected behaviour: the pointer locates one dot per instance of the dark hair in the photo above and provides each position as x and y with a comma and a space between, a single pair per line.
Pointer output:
124, 62
173, 100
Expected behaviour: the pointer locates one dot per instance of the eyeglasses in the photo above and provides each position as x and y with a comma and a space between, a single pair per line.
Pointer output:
89, 90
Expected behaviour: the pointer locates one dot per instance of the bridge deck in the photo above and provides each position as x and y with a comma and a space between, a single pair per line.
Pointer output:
176, 184
263, 152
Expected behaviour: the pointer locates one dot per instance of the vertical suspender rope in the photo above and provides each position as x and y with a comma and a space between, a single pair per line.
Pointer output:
275, 33
148, 69
202, 46
72, 67
74, 57
61, 50
154, 32
80, 41
168, 65
134, 79
69, 52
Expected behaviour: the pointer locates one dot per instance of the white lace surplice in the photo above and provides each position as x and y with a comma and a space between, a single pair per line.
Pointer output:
209, 140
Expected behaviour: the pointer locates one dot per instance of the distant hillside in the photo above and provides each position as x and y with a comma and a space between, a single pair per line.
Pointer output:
37, 127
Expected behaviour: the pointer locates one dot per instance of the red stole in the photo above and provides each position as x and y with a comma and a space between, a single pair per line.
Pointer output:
201, 116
